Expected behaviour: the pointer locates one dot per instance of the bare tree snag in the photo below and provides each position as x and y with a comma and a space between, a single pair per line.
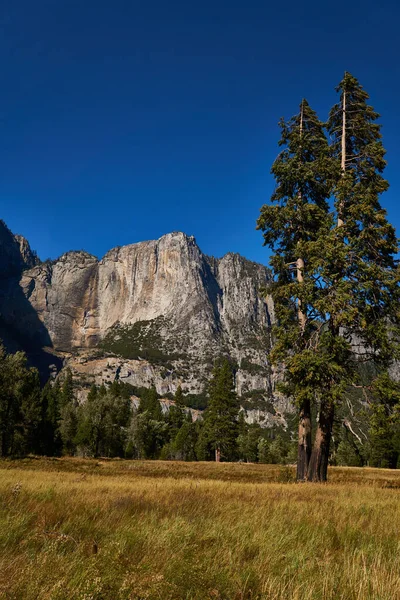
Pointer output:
300, 278
304, 433
304, 441
340, 221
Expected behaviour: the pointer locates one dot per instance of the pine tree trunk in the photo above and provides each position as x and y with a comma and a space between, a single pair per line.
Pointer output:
318, 467
304, 447
218, 455
300, 262
340, 221
300, 278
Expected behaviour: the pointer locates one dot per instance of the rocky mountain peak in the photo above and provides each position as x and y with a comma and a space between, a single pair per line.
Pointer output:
160, 309
15, 253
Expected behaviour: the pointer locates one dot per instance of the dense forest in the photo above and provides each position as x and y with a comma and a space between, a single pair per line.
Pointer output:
50, 421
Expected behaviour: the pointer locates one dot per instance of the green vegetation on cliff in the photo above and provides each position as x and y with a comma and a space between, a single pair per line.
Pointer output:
141, 340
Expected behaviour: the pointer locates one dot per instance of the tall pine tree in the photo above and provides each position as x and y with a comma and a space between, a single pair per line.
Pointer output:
358, 306
343, 308
221, 415
297, 218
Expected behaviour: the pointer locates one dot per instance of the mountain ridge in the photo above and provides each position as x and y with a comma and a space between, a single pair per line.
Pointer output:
160, 309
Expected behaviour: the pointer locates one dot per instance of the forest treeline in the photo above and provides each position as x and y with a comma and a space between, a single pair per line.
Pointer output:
50, 421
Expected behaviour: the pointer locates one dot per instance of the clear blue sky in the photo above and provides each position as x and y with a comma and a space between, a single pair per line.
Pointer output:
121, 120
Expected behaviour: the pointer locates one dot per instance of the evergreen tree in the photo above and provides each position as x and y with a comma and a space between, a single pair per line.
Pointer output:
248, 442
69, 428
347, 456
221, 415
68, 414
350, 286
149, 429
93, 393
149, 402
358, 306
50, 437
384, 421
297, 218
27, 439
103, 422
278, 451
186, 440
120, 389
19, 404
176, 414
263, 451
67, 390
102, 391
179, 398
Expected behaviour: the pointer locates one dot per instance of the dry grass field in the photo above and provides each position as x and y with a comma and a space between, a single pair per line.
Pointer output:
127, 530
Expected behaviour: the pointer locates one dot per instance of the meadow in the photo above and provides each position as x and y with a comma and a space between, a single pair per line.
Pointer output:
132, 530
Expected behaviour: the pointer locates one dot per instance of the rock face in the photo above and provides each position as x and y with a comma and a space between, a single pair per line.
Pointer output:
15, 253
156, 312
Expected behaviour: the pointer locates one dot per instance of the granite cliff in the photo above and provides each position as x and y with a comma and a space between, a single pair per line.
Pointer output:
156, 312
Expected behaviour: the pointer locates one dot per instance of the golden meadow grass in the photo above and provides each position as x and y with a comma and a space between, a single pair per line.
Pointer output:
92, 530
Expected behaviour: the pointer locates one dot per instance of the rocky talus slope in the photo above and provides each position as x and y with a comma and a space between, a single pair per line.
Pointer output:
156, 312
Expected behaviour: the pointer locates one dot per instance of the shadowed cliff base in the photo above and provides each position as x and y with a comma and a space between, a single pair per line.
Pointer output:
20, 326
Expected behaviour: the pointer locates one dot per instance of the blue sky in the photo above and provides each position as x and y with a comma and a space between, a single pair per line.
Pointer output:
124, 120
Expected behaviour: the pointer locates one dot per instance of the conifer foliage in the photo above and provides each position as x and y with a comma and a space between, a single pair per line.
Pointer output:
293, 225
221, 416
20, 406
348, 291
